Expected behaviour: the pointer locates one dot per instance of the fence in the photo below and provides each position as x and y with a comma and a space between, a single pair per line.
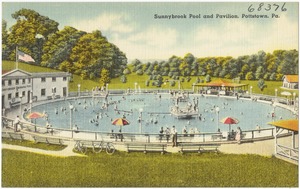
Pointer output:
218, 137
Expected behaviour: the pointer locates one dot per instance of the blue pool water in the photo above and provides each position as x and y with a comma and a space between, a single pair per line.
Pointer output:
156, 113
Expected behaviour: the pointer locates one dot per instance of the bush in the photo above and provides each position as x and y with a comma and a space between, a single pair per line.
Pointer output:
172, 83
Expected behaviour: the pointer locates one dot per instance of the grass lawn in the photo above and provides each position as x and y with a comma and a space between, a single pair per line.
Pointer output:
23, 169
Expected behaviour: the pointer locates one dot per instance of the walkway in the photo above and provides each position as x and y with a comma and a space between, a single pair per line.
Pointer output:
264, 148
67, 152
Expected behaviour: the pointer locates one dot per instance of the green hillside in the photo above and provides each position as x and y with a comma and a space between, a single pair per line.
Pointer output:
140, 80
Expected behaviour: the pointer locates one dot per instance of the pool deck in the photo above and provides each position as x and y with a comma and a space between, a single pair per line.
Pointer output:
264, 148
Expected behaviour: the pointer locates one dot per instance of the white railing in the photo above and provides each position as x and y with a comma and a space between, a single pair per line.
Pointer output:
288, 152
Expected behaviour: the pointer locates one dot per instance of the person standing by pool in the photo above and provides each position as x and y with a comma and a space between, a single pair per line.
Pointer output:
174, 136
238, 135
161, 131
16, 123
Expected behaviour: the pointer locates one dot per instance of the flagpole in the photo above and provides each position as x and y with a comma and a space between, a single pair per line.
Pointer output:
16, 57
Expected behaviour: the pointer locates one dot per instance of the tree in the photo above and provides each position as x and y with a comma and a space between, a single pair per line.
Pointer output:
159, 81
30, 24
261, 84
5, 46
104, 79
249, 76
259, 72
123, 79
126, 71
207, 79
58, 47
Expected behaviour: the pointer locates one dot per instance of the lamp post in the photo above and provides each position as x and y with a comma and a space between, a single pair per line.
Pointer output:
276, 90
53, 92
193, 87
218, 111
294, 99
21, 105
106, 87
140, 119
135, 87
30, 101
71, 110
251, 91
78, 90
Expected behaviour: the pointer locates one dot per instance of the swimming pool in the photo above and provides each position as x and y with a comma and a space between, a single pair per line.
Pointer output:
91, 113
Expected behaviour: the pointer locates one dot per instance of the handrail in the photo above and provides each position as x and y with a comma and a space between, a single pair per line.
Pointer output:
288, 152
146, 137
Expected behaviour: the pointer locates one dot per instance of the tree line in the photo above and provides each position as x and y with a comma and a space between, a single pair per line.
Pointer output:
266, 66
89, 55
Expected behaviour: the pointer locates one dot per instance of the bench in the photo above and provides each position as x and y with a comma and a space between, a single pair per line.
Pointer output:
185, 138
14, 104
217, 136
129, 137
13, 136
146, 147
96, 145
163, 138
47, 140
194, 147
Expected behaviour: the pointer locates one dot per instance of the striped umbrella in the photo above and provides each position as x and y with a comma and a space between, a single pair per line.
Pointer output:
120, 122
35, 115
229, 120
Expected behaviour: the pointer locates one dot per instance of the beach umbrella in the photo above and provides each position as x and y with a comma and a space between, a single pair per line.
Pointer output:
35, 115
285, 93
229, 121
120, 122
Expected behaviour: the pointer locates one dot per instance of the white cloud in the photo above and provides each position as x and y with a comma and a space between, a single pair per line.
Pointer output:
112, 22
152, 43
241, 37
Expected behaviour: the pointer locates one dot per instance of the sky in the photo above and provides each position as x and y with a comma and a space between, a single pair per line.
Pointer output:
132, 26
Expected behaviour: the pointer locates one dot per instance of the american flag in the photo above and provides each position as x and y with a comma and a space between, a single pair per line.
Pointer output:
25, 57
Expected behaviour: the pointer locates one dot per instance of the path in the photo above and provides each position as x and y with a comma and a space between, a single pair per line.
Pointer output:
67, 152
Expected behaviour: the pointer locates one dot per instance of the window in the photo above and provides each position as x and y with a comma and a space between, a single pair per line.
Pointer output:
3, 82
17, 82
53, 89
43, 92
43, 79
9, 96
23, 93
53, 79
29, 80
17, 94
9, 82
64, 78
23, 81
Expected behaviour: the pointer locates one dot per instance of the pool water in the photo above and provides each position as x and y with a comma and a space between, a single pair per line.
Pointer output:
90, 113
